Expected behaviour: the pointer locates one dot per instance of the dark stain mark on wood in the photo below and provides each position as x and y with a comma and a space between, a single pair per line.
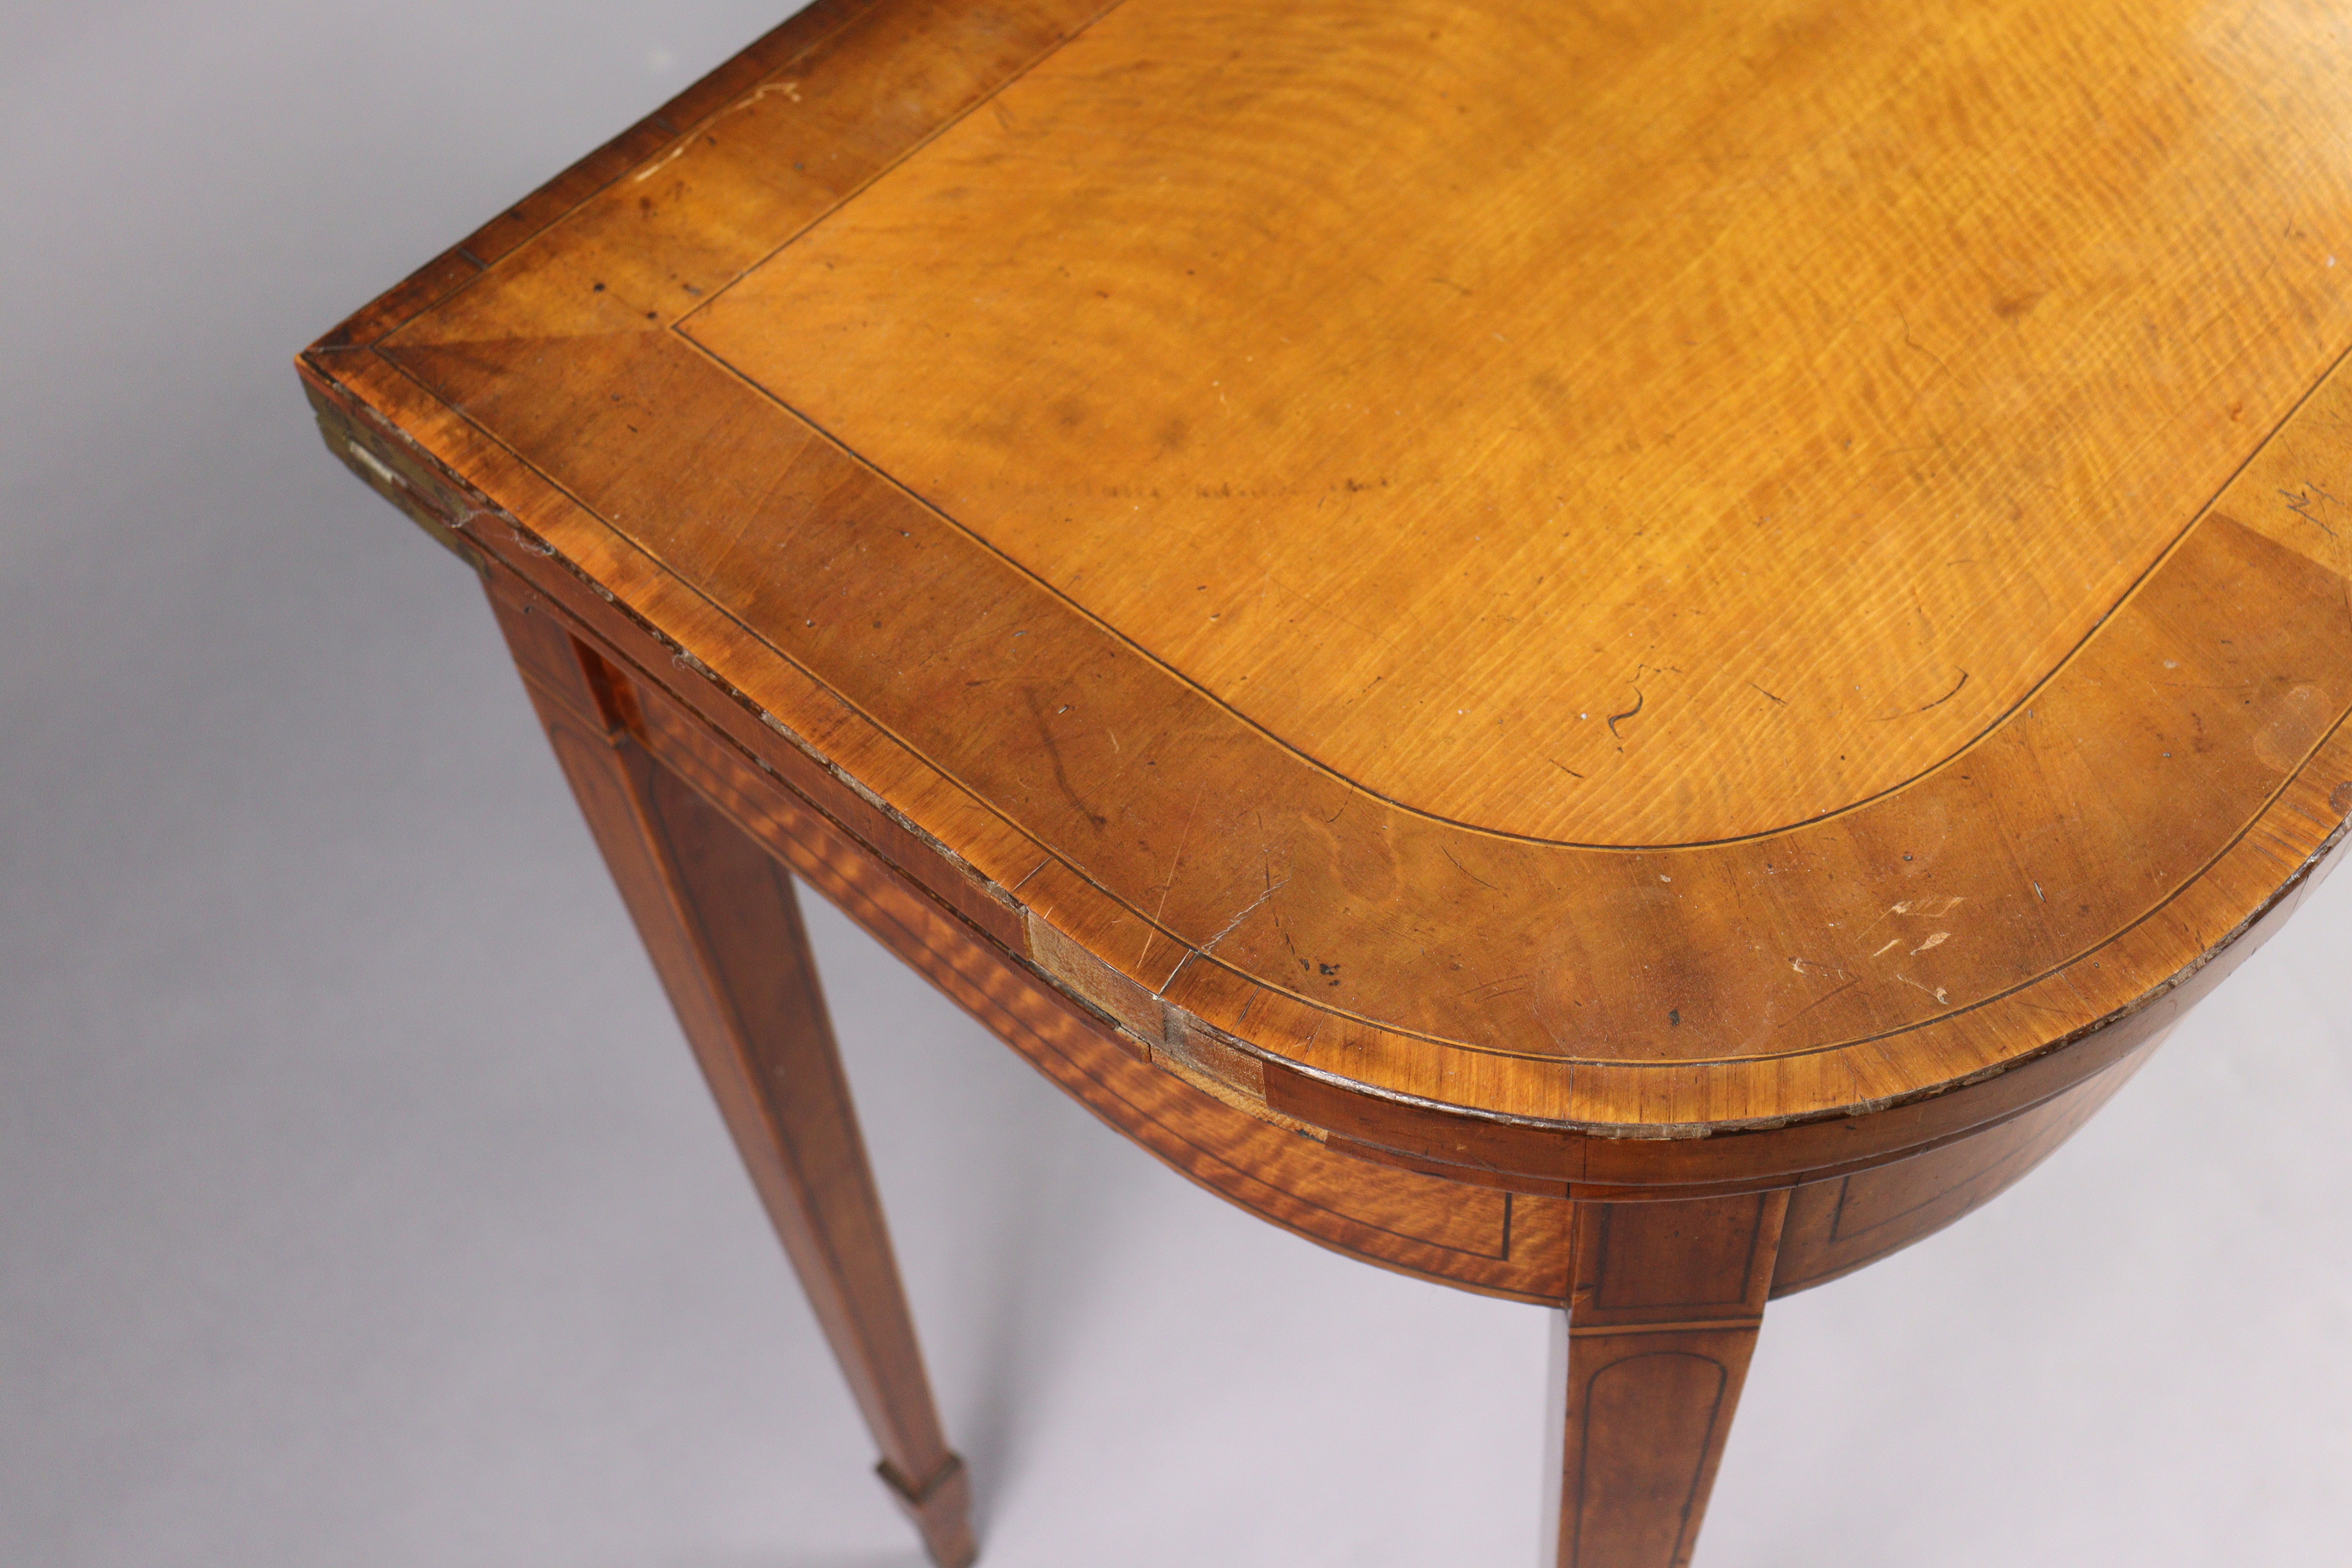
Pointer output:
1054, 758
1947, 697
1638, 701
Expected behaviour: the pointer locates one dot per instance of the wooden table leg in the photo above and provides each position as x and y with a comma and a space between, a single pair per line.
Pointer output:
718, 916
1647, 1366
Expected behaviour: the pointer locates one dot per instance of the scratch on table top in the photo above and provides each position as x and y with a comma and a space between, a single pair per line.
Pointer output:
1935, 991
1152, 933
1246, 911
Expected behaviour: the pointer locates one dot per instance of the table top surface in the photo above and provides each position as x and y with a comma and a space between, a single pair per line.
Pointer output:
1651, 568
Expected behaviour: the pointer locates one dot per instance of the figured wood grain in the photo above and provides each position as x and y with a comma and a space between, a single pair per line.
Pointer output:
1979, 1139
986, 861
1174, 856
1477, 370
1621, 654
1662, 1322
1301, 932
719, 920
1284, 879
1467, 1234
1667, 1296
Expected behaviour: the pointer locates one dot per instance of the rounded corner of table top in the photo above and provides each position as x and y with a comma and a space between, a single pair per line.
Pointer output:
2043, 842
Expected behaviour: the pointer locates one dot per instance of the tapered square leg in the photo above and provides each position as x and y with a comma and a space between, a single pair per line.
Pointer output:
719, 918
1648, 1363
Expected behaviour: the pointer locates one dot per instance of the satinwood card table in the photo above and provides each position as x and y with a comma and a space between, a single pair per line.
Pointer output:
1619, 655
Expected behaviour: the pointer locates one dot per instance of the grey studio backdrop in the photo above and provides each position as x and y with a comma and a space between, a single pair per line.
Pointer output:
360, 1204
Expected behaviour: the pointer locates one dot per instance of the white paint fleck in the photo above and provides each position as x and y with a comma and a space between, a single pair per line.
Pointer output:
650, 170
1935, 991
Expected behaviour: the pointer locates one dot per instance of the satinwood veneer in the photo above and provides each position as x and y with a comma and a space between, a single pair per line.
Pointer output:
1623, 656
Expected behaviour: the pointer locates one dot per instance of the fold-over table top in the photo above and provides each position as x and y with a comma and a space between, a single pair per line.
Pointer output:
1642, 566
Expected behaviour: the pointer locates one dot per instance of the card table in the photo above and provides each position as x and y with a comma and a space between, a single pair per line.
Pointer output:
1619, 655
